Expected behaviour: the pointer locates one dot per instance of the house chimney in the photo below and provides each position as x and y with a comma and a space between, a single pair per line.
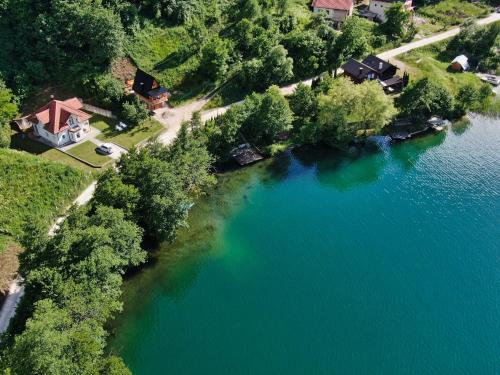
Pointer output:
52, 97
360, 71
380, 65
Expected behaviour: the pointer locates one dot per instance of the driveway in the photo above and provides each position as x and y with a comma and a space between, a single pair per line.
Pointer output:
117, 149
92, 137
172, 118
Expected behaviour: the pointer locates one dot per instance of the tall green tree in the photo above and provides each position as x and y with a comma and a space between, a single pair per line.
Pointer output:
424, 98
307, 50
111, 191
8, 110
352, 109
274, 68
214, 59
352, 43
303, 103
398, 24
269, 114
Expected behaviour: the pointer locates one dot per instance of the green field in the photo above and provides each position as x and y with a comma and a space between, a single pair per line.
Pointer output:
165, 53
128, 138
87, 151
433, 62
46, 152
453, 12
33, 187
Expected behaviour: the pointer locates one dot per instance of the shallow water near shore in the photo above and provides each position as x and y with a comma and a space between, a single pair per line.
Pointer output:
322, 263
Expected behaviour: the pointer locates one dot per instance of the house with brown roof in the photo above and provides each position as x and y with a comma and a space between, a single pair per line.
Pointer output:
59, 122
336, 10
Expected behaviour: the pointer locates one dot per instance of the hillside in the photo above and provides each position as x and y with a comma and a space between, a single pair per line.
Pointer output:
32, 188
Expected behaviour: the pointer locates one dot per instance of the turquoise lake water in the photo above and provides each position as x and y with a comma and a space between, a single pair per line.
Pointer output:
322, 263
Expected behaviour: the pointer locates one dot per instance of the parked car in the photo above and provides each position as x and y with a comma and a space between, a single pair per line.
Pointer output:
105, 149
121, 126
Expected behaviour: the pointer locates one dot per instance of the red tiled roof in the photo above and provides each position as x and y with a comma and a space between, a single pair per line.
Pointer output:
333, 4
55, 114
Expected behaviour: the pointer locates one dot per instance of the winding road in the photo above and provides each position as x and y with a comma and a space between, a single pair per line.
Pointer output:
172, 119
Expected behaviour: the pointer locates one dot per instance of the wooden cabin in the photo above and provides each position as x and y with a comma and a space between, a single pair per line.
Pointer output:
147, 88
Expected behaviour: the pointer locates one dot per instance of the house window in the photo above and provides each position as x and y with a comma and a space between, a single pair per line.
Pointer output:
77, 135
64, 136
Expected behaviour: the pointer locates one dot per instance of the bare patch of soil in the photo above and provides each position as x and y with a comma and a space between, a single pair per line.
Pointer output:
9, 265
123, 69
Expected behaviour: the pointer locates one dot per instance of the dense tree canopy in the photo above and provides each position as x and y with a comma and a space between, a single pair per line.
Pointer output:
398, 24
59, 37
214, 58
72, 288
260, 119
8, 110
352, 109
308, 52
425, 98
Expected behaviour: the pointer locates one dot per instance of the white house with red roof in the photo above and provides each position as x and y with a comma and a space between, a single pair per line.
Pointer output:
60, 122
379, 7
336, 10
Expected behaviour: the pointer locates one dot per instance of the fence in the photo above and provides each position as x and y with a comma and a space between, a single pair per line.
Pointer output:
99, 111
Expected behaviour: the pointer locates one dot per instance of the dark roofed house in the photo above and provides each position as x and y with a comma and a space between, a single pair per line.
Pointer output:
149, 90
358, 71
384, 69
372, 68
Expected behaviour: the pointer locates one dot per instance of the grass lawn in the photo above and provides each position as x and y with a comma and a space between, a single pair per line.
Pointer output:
34, 187
46, 152
87, 152
128, 138
453, 12
163, 52
433, 62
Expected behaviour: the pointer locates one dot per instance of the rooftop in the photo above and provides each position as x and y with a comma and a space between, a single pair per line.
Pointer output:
333, 4
55, 114
146, 85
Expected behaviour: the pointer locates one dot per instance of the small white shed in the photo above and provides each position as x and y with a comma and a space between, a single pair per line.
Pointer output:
460, 63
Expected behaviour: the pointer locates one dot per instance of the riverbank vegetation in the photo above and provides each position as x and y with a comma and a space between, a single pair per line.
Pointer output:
73, 280
72, 287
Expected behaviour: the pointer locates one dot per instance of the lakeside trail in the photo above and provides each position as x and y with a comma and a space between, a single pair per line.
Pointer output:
172, 118
16, 289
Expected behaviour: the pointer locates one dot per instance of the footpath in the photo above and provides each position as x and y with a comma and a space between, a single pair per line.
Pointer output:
16, 289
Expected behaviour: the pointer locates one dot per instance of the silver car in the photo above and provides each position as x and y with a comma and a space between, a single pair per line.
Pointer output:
105, 149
